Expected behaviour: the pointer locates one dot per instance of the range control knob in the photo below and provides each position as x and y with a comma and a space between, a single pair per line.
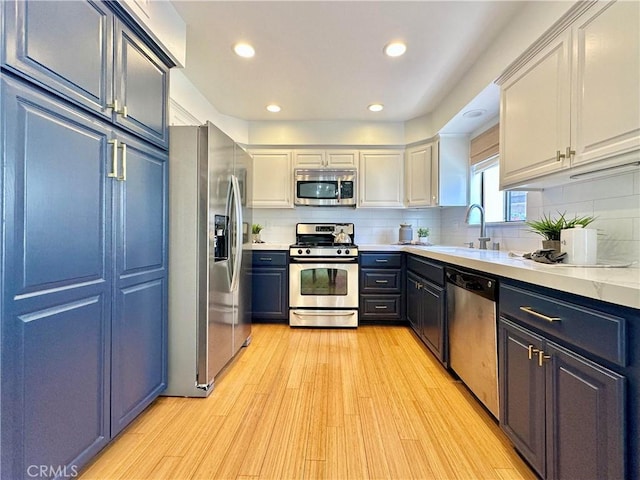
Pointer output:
339, 251
346, 252
299, 251
308, 252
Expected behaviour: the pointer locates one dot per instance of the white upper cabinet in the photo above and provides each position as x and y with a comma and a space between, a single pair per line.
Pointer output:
436, 173
272, 179
325, 158
606, 97
573, 99
418, 175
381, 178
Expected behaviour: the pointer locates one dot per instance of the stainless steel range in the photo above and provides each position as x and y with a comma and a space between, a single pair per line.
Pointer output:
323, 276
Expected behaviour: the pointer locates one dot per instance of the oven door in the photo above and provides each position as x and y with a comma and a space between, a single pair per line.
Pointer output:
323, 285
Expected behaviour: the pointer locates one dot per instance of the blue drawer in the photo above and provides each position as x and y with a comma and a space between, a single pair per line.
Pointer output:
269, 258
596, 332
381, 260
426, 269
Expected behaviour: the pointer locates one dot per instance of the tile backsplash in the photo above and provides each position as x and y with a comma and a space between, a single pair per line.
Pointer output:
379, 226
614, 200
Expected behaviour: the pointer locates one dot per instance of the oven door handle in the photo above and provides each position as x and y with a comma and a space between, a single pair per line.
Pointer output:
324, 260
323, 313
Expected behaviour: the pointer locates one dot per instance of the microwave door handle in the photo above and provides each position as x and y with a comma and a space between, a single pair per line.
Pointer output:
339, 189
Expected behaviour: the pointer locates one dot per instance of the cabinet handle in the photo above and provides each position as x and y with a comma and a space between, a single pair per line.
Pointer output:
265, 259
531, 351
382, 281
570, 153
114, 106
540, 315
123, 177
381, 260
114, 160
419, 285
559, 156
542, 357
381, 307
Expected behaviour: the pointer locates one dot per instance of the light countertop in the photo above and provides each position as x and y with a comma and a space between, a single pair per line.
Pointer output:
620, 286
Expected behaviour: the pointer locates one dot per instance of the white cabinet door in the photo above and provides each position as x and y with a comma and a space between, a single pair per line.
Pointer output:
381, 178
309, 158
418, 175
534, 116
272, 179
342, 158
576, 101
325, 158
606, 97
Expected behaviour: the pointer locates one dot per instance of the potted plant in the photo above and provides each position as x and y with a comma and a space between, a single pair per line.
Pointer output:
549, 228
256, 228
423, 235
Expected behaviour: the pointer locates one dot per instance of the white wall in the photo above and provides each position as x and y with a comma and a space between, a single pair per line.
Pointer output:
192, 104
326, 133
372, 226
614, 200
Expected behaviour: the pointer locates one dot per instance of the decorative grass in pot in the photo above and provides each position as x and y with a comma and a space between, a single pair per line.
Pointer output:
549, 228
255, 231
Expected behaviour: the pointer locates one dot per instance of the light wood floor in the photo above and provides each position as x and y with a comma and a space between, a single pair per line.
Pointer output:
313, 403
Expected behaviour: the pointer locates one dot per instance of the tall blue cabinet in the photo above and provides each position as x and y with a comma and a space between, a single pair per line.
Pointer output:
83, 244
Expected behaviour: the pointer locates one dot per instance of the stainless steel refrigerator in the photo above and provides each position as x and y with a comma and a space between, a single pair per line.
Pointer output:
209, 264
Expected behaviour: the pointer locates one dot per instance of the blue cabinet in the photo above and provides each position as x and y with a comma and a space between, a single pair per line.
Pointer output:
269, 286
566, 412
83, 202
381, 287
69, 48
139, 321
426, 303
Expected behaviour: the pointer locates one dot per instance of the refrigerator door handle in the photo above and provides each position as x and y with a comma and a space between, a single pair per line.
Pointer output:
237, 261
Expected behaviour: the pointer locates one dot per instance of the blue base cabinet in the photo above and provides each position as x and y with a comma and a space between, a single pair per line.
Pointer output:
270, 286
426, 304
83, 249
565, 384
381, 287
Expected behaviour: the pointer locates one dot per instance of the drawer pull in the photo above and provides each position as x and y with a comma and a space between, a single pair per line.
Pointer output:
381, 307
265, 259
531, 351
382, 281
540, 315
381, 260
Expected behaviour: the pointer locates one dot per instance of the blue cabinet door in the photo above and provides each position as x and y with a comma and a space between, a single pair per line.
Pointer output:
433, 308
66, 47
585, 417
522, 392
140, 293
141, 86
56, 286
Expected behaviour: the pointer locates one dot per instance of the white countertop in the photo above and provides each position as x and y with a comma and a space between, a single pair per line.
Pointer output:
620, 286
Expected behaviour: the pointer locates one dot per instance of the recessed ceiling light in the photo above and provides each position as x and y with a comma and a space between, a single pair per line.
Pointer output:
244, 50
273, 108
376, 107
474, 113
395, 49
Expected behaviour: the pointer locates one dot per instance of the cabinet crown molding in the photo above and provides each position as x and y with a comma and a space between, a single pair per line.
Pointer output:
547, 37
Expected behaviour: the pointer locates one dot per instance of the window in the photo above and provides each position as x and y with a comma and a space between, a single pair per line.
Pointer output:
499, 206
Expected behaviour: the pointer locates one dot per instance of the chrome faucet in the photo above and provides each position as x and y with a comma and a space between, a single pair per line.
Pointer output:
483, 239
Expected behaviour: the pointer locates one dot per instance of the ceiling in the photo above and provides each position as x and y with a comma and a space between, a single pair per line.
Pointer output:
324, 60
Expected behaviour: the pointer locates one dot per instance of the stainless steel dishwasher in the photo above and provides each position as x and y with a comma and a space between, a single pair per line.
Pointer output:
473, 353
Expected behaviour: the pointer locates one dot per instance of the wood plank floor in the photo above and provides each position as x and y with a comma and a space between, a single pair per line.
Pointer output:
318, 403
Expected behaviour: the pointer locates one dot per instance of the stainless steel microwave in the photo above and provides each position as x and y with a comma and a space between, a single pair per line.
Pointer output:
325, 187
